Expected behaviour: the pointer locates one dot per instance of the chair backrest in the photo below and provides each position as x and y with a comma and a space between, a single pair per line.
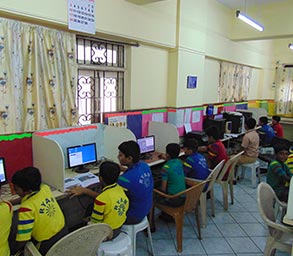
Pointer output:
214, 174
229, 166
192, 195
83, 241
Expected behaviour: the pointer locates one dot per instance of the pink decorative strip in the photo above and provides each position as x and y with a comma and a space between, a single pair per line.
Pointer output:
75, 129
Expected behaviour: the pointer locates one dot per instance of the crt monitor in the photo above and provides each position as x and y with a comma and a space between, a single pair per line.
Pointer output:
146, 144
80, 155
3, 175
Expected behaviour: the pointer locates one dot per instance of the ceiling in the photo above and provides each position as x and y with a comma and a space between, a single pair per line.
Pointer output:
241, 4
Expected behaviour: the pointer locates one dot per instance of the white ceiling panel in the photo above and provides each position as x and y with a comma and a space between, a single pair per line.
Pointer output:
236, 4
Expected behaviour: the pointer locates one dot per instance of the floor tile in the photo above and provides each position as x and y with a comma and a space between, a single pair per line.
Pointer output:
223, 217
243, 217
254, 229
231, 230
216, 246
259, 241
211, 230
165, 247
192, 247
242, 245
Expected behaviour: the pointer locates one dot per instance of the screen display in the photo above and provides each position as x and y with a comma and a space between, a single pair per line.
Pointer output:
146, 144
82, 154
3, 177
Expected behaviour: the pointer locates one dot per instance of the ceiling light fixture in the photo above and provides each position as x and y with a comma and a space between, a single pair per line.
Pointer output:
249, 21
290, 46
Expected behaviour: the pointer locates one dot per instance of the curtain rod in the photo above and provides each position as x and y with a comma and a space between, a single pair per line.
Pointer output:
109, 41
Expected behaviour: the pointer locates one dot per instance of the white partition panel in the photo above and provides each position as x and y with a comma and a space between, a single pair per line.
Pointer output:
49, 159
165, 133
113, 137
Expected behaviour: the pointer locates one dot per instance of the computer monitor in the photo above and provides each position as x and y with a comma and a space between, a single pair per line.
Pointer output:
3, 175
146, 144
219, 123
80, 155
218, 116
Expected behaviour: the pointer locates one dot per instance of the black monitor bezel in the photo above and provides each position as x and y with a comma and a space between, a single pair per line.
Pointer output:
145, 137
82, 145
5, 172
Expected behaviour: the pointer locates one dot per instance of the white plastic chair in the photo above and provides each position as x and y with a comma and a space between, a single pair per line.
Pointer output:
83, 241
228, 182
254, 168
132, 230
280, 236
203, 198
119, 246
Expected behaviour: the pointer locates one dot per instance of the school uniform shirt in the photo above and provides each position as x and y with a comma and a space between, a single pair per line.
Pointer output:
196, 167
250, 143
110, 206
172, 172
216, 153
276, 171
5, 224
278, 129
139, 185
269, 133
39, 216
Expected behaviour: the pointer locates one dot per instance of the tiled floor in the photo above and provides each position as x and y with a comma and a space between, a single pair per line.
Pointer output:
238, 231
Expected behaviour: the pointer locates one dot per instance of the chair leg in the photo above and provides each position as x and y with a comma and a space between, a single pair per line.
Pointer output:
150, 240
258, 174
231, 191
212, 202
203, 208
269, 247
253, 177
225, 195
179, 231
197, 223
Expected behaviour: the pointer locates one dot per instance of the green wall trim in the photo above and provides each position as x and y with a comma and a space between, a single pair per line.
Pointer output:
15, 136
154, 111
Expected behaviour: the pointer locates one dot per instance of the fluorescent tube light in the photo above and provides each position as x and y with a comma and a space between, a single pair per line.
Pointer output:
249, 21
290, 46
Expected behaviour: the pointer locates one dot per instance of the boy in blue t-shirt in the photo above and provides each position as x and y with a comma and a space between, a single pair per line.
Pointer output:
266, 129
195, 165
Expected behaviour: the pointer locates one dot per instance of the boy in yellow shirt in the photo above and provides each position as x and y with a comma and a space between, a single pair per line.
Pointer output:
111, 205
5, 224
40, 218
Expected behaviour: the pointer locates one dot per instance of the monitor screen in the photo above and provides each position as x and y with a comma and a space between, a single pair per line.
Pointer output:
218, 116
3, 176
81, 154
146, 144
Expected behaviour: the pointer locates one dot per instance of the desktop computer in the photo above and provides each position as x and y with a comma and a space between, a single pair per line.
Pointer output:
236, 120
219, 123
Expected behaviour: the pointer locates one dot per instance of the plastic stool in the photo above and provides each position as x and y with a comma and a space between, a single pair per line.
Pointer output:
254, 167
132, 230
119, 246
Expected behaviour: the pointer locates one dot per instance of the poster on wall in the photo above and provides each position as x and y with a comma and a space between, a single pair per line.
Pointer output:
81, 15
118, 121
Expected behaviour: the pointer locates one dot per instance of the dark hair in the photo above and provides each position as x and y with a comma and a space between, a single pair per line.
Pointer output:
250, 122
28, 179
280, 147
109, 171
130, 148
191, 144
277, 118
263, 119
173, 150
213, 131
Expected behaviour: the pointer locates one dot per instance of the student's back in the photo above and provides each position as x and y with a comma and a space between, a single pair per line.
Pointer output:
138, 181
195, 166
5, 224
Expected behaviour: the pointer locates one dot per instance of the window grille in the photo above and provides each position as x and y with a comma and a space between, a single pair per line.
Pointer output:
100, 85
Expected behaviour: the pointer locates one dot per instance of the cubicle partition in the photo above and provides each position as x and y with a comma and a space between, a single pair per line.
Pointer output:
49, 148
164, 133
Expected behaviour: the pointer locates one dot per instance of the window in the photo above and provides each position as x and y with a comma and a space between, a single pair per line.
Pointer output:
100, 85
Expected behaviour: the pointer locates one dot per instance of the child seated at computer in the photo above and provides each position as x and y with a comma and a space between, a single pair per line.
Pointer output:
277, 127
265, 130
40, 218
5, 224
215, 149
278, 172
111, 205
173, 179
195, 165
